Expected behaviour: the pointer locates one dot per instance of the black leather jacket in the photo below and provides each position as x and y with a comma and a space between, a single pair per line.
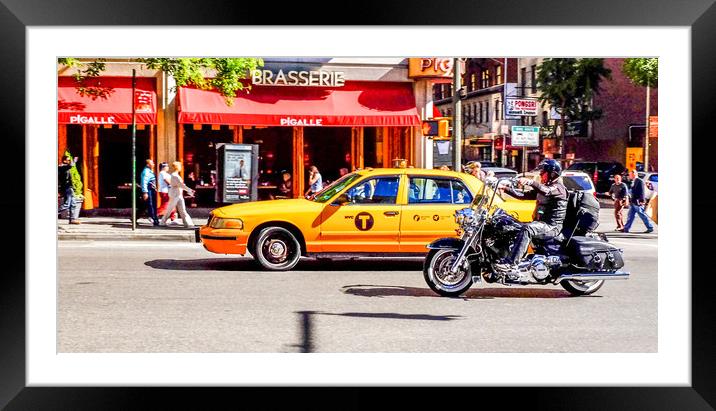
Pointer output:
551, 201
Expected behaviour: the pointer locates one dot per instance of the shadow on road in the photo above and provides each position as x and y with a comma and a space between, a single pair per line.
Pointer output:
307, 264
306, 327
477, 293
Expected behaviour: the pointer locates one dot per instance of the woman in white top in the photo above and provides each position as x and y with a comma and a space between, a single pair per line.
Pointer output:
165, 180
176, 197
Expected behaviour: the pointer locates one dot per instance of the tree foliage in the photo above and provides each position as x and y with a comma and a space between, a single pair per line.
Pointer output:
226, 75
74, 176
642, 71
569, 84
229, 72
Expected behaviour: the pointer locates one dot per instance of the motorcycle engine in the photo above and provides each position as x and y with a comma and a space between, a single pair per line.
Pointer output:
540, 265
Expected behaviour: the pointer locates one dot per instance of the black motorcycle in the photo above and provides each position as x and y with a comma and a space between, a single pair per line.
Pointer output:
579, 263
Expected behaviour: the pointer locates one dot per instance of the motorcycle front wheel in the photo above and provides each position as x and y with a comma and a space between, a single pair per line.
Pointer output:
577, 287
436, 272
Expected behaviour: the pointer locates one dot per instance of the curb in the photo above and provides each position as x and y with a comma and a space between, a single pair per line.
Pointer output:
185, 237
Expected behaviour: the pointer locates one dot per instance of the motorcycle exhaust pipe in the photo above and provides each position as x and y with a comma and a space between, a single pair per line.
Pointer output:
596, 275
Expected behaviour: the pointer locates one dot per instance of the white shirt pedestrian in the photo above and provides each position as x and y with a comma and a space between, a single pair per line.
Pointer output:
176, 197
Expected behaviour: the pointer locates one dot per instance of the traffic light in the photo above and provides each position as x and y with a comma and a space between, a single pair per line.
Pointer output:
436, 128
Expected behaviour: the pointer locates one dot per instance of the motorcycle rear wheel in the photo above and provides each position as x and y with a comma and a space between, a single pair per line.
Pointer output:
577, 287
436, 272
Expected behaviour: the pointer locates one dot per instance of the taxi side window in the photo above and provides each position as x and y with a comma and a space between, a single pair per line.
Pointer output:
426, 190
377, 190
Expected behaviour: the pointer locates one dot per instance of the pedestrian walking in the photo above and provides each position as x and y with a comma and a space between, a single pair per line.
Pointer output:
69, 188
620, 194
165, 180
176, 197
637, 200
149, 191
315, 181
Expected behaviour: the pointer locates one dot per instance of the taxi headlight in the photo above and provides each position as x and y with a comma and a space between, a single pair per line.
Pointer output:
236, 223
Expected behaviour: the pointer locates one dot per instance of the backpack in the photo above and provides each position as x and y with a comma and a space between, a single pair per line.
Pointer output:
582, 213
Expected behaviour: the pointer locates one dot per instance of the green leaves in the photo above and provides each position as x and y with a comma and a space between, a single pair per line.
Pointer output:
569, 84
642, 71
226, 75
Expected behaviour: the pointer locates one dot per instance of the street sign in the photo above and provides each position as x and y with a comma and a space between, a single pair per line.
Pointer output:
525, 136
653, 126
634, 155
521, 106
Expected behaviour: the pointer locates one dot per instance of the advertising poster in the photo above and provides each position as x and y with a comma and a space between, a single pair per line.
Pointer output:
238, 176
237, 172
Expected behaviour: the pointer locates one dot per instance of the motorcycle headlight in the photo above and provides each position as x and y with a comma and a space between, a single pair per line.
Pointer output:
235, 223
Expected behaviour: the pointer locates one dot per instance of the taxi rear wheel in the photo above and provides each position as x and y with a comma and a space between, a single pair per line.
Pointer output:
277, 249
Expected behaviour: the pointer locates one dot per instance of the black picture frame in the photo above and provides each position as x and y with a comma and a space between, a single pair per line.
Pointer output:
16, 15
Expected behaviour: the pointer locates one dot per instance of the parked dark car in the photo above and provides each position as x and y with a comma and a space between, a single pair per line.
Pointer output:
602, 172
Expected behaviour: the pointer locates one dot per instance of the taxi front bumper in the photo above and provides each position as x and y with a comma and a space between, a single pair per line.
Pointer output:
222, 240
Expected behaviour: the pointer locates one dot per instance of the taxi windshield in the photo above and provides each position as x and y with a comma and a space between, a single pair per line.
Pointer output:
329, 191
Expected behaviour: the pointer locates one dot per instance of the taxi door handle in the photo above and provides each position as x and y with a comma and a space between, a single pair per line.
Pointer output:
390, 213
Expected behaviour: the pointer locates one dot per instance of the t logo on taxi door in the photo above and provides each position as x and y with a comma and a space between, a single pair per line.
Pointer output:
364, 221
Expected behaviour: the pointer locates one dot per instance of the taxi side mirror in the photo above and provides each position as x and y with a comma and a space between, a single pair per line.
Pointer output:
341, 200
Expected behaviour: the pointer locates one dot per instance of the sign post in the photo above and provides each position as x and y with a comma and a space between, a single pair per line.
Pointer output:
525, 136
134, 152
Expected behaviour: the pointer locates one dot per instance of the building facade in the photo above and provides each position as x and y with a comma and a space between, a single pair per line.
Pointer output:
486, 128
333, 113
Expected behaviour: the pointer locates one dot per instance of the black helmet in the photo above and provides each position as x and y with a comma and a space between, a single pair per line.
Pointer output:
551, 166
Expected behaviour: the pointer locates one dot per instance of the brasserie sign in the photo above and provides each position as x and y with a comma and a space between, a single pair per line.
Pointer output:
313, 78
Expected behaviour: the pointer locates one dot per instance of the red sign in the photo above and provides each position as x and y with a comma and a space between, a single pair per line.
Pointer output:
653, 126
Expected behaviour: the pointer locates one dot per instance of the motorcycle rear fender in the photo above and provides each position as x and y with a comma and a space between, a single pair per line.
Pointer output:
446, 243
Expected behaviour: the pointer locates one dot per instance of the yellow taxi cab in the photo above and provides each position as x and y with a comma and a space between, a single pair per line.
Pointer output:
389, 211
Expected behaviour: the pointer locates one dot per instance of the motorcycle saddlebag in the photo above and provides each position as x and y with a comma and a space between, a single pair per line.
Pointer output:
594, 254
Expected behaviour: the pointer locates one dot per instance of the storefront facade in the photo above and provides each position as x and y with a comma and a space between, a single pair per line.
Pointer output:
95, 125
332, 113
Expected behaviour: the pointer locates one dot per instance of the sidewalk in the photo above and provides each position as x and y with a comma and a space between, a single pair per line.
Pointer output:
120, 228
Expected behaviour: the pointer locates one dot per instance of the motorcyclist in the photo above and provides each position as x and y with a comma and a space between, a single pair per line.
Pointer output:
548, 216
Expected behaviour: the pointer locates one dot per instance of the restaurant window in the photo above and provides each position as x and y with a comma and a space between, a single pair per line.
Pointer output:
498, 74
200, 159
485, 79
533, 78
523, 81
438, 92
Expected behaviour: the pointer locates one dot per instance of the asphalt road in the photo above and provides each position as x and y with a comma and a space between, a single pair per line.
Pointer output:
177, 297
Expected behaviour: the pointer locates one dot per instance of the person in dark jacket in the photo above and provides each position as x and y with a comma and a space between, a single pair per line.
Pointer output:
637, 201
548, 216
65, 188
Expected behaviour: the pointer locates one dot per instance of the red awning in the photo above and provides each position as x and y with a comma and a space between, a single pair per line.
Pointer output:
115, 107
355, 104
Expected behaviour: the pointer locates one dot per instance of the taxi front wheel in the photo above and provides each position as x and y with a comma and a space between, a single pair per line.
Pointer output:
277, 249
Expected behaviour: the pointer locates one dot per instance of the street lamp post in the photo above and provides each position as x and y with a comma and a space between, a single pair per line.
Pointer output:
457, 116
